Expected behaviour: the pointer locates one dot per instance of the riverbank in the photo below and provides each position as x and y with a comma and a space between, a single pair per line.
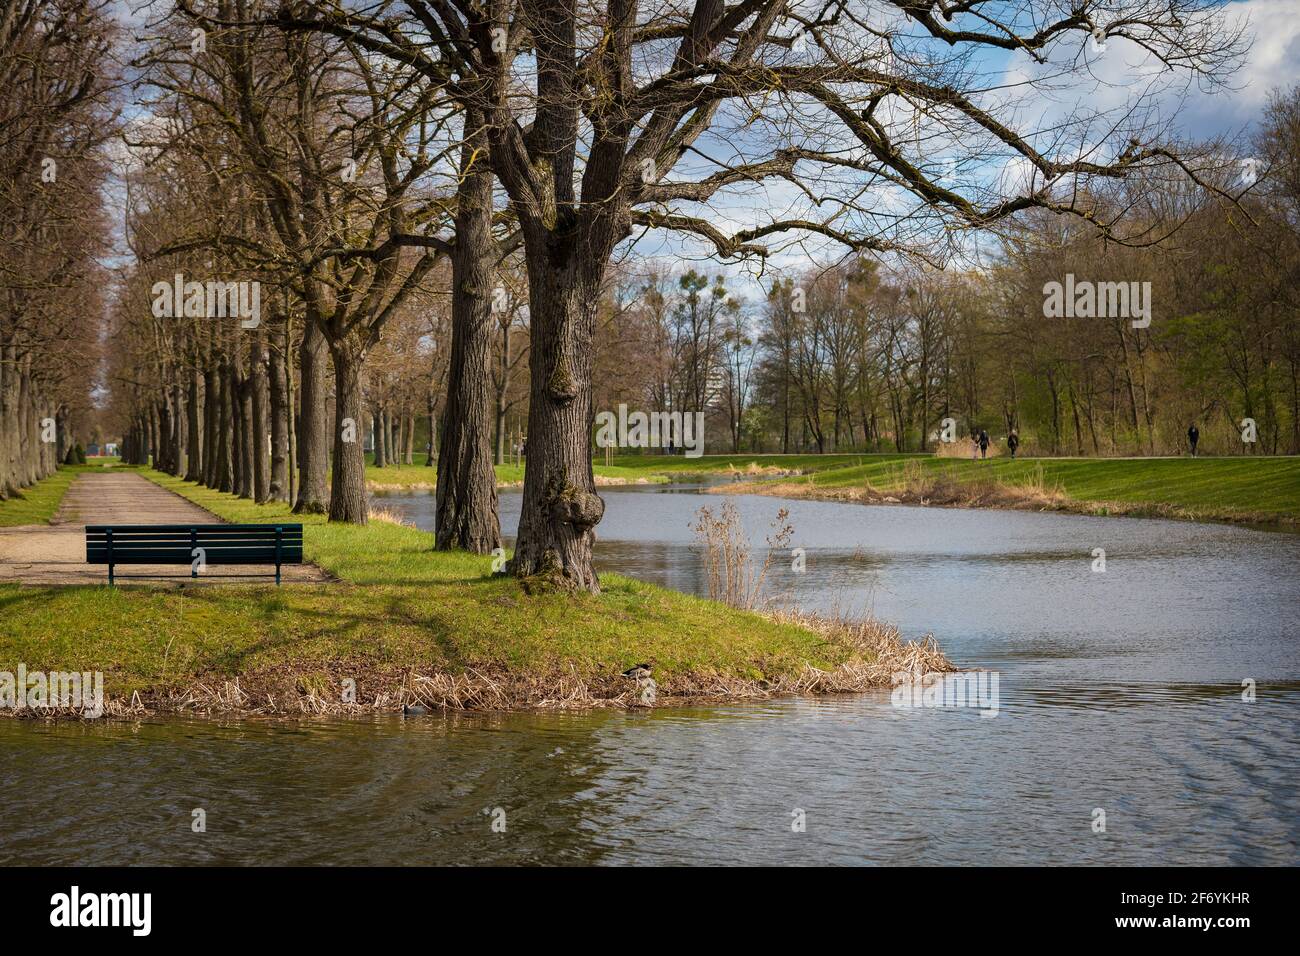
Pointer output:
400, 624
1261, 491
425, 478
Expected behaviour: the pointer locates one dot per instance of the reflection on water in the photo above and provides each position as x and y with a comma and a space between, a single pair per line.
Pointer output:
1120, 690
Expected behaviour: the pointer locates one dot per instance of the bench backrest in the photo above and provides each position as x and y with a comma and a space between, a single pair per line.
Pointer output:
175, 543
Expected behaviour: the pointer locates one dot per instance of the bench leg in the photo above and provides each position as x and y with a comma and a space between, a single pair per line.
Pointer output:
110, 575
277, 575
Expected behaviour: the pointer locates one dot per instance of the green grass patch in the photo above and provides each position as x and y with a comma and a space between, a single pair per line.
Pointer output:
1247, 488
396, 604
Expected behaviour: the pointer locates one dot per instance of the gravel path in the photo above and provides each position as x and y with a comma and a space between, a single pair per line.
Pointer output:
56, 553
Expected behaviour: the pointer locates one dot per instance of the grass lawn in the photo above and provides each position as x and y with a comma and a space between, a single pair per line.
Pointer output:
1244, 485
397, 607
37, 504
1265, 489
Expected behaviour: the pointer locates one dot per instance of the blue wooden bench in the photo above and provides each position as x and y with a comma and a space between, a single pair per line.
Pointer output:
193, 544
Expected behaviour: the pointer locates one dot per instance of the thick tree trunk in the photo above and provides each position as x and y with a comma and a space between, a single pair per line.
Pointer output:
348, 488
313, 429
466, 487
560, 507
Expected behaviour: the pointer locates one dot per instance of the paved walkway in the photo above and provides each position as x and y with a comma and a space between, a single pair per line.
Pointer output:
56, 553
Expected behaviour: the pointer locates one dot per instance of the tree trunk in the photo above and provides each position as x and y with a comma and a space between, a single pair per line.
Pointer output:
211, 419
348, 490
225, 474
466, 487
194, 435
560, 508
280, 412
380, 432
313, 430
257, 372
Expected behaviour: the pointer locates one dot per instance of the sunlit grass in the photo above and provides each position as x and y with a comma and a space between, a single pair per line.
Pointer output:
1248, 486
396, 604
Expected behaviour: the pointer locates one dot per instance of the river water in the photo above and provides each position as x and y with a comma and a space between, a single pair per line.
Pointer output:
1120, 693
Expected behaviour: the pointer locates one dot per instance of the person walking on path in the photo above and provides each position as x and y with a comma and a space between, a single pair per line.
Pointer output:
974, 443
984, 443
1013, 442
1193, 436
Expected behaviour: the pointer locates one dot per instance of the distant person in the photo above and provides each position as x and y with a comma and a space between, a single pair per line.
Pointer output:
1193, 436
670, 447
984, 443
974, 443
1013, 442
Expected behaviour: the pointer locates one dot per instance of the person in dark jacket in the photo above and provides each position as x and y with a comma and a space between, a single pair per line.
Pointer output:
1193, 436
1013, 442
984, 443
974, 443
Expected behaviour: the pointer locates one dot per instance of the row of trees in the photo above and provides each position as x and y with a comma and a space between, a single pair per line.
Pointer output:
55, 115
372, 167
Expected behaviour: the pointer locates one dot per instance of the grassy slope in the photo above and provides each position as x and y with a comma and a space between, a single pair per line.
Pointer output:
398, 605
1262, 487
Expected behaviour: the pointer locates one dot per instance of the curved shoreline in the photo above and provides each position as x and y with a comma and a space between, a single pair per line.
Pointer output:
1010, 498
351, 688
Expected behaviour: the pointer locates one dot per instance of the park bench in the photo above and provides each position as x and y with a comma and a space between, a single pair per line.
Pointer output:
195, 545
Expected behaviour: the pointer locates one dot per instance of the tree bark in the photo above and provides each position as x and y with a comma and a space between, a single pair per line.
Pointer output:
258, 387
560, 508
194, 435
466, 488
313, 430
280, 412
348, 489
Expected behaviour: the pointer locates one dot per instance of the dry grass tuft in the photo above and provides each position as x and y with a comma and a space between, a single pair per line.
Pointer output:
734, 577
390, 517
